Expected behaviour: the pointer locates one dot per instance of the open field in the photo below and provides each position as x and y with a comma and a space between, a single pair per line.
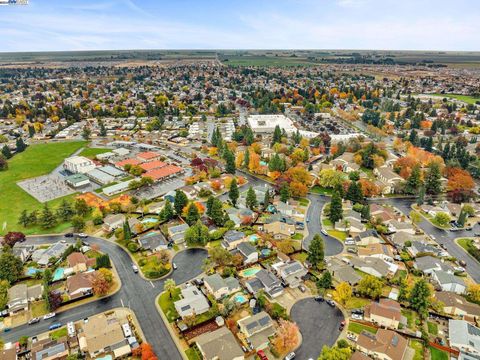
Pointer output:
465, 98
36, 160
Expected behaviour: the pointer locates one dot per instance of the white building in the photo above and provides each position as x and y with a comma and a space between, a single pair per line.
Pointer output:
78, 164
267, 123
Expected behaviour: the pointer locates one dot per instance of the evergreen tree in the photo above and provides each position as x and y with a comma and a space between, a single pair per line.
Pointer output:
413, 183
266, 199
229, 158
20, 145
167, 212
181, 201
233, 193
336, 211
31, 131
284, 192
420, 297
251, 200
33, 217
127, 232
3, 163
462, 218
47, 218
86, 132
192, 214
103, 130
433, 185
354, 193
366, 212
325, 281
215, 211
6, 152
421, 195
23, 219
246, 159
277, 135
413, 137
316, 252
65, 211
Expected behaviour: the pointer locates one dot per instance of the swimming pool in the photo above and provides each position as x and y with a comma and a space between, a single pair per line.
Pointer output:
266, 252
31, 271
149, 220
106, 357
239, 298
253, 238
250, 272
58, 274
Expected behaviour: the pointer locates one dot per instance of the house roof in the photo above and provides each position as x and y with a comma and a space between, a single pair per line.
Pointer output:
156, 164
219, 344
377, 264
385, 341
451, 299
79, 281
256, 323
233, 235
147, 155
162, 172
428, 262
462, 332
385, 308
152, 240
446, 278
132, 161
76, 258
101, 332
375, 249
246, 249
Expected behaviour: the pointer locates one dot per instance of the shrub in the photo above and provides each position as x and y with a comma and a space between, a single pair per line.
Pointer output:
142, 262
132, 247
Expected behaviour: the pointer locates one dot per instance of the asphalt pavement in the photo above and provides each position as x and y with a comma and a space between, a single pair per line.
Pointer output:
319, 324
136, 293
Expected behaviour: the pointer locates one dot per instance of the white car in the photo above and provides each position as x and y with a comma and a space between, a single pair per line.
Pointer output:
290, 356
49, 316
459, 268
324, 232
357, 317
349, 242
82, 235
351, 336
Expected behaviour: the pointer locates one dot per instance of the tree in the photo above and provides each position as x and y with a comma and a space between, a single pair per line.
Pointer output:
3, 163
100, 283
220, 256
167, 212
127, 232
420, 297
12, 237
442, 219
316, 251
197, 234
47, 218
246, 159
169, 286
103, 261
4, 286
336, 211
277, 135
365, 213
215, 210
192, 214
251, 200
20, 145
54, 300
233, 193
462, 218
415, 217
421, 195
7, 154
433, 184
103, 130
180, 202
325, 281
286, 337
354, 193
65, 211
342, 293
284, 192
78, 223
229, 158
370, 286
86, 132
335, 353
473, 293
81, 207
414, 182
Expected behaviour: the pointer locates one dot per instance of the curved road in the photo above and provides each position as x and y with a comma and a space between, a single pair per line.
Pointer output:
135, 293
319, 324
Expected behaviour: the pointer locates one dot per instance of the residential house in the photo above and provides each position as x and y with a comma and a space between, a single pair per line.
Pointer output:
385, 344
368, 237
449, 282
220, 287
395, 225
342, 272
78, 262
232, 238
465, 337
345, 162
456, 305
247, 251
265, 280
153, 241
389, 178
8, 354
20, 295
42, 256
286, 208
101, 335
374, 266
193, 302
177, 233
279, 230
79, 285
428, 264
48, 349
112, 222
431, 210
400, 238
23, 251
381, 251
219, 344
291, 273
384, 313
418, 247
257, 329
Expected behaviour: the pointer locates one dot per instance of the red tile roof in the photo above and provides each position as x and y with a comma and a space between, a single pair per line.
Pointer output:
162, 172
153, 165
128, 162
148, 155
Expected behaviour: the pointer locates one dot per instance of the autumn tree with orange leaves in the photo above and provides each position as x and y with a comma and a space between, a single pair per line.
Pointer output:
287, 337
144, 352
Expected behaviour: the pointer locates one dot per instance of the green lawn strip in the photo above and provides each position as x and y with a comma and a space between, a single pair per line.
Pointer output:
297, 236
193, 353
340, 235
38, 308
411, 318
437, 354
357, 303
57, 334
36, 160
321, 190
166, 304
418, 347
302, 257
92, 152
432, 328
326, 222
357, 328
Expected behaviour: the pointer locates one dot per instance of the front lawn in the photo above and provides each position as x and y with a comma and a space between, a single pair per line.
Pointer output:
357, 302
193, 353
166, 304
36, 160
297, 236
418, 347
38, 308
436, 354
337, 234
302, 256
57, 334
357, 328
432, 328
321, 190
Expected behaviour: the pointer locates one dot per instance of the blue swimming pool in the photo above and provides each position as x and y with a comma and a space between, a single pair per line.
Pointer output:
106, 357
149, 220
239, 298
253, 238
58, 274
31, 271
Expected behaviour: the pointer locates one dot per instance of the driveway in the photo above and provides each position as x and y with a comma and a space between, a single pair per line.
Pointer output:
318, 323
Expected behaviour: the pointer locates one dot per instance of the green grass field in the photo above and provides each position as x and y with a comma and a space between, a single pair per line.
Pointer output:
92, 152
436, 354
278, 61
36, 160
418, 347
357, 328
464, 98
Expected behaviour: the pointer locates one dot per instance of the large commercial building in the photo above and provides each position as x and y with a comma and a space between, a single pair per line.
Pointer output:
78, 164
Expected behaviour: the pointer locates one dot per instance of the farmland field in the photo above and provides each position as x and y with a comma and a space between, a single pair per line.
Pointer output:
36, 160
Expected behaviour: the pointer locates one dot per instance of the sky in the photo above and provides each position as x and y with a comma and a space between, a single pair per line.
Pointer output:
51, 25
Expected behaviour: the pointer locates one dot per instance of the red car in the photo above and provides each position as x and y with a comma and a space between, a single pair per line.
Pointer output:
262, 355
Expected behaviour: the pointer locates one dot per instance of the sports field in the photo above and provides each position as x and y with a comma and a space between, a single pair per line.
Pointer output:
36, 160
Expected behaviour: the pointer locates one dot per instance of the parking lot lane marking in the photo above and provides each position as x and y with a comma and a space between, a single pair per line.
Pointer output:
151, 283
121, 301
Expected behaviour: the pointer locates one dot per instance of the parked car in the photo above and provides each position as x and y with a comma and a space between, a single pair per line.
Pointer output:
54, 326
330, 302
342, 325
319, 299
302, 288
135, 268
324, 232
49, 316
290, 356
462, 263
459, 268
476, 234
357, 317
357, 311
82, 235
351, 336
261, 355
68, 235
33, 321
349, 242
174, 266
352, 250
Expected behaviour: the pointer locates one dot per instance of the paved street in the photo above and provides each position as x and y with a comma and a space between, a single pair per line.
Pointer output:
136, 293
318, 323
